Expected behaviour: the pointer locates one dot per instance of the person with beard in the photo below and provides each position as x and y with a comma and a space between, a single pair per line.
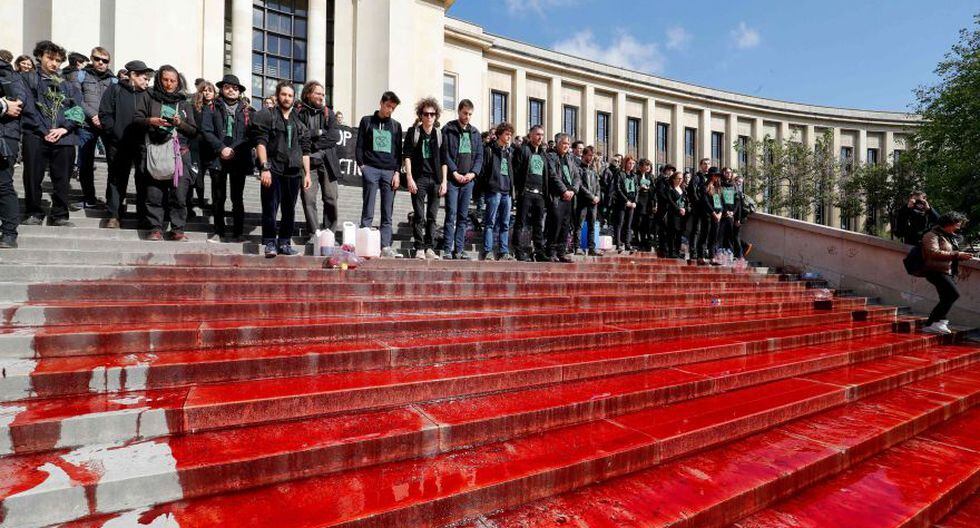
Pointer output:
425, 175
699, 219
915, 218
531, 176
283, 147
167, 118
123, 138
225, 128
587, 203
463, 156
321, 122
731, 203
564, 182
93, 80
11, 106
497, 184
51, 118
627, 190
203, 157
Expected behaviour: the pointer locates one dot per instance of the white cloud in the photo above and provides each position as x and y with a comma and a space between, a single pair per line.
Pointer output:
677, 38
626, 52
745, 37
538, 6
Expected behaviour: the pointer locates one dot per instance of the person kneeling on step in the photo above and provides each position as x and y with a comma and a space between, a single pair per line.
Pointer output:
942, 256
283, 148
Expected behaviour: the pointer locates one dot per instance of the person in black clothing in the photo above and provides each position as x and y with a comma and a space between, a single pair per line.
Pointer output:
660, 219
676, 210
92, 81
646, 206
462, 153
699, 219
531, 189
52, 115
167, 117
379, 153
712, 202
627, 190
587, 203
915, 218
203, 158
123, 139
497, 186
11, 105
283, 147
321, 121
563, 184
225, 128
731, 203
608, 182
425, 175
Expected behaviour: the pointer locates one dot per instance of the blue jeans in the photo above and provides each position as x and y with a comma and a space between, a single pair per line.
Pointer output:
87, 140
375, 180
457, 217
496, 221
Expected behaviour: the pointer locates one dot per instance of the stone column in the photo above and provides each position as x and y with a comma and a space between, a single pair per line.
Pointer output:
704, 135
316, 47
241, 42
619, 123
553, 112
649, 143
860, 159
810, 140
888, 147
588, 115
731, 136
343, 60
677, 137
835, 152
519, 91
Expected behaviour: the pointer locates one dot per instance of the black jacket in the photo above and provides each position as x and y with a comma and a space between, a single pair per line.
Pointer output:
34, 121
731, 200
364, 151
214, 128
608, 181
627, 188
912, 223
558, 181
451, 134
324, 137
673, 202
492, 179
522, 167
284, 148
412, 149
117, 112
10, 127
696, 192
590, 188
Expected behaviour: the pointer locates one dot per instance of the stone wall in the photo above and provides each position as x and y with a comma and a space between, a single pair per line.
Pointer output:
868, 265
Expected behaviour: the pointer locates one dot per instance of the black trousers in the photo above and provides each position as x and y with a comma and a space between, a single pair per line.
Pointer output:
220, 180
9, 206
163, 199
281, 195
727, 238
122, 160
674, 231
697, 238
623, 226
948, 294
39, 155
558, 226
588, 212
425, 208
531, 212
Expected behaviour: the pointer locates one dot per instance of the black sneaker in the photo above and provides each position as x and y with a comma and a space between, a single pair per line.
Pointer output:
270, 250
287, 250
33, 220
60, 222
8, 242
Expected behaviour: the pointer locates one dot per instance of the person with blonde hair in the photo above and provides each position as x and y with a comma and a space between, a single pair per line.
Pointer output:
203, 157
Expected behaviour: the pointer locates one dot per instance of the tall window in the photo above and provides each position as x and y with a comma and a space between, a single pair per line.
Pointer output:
449, 91
872, 156
897, 155
743, 152
663, 133
278, 46
690, 148
535, 113
569, 121
769, 190
847, 159
498, 108
633, 136
602, 132
717, 149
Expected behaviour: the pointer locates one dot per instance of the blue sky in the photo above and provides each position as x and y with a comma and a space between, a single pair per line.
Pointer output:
855, 54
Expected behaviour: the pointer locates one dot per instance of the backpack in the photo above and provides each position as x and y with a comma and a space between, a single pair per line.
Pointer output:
915, 262
163, 161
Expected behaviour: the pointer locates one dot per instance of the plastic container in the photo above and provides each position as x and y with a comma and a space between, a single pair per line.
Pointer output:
349, 233
368, 242
605, 242
325, 239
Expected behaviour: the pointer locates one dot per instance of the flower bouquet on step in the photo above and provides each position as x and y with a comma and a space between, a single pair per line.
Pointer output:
342, 257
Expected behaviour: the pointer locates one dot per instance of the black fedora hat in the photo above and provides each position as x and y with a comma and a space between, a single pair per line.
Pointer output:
714, 171
137, 66
231, 79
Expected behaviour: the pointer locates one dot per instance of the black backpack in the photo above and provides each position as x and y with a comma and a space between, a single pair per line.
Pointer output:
915, 262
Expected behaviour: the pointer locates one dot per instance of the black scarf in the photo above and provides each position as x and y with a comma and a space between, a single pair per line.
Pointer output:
157, 92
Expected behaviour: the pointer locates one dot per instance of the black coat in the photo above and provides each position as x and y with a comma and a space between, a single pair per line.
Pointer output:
213, 128
117, 112
324, 137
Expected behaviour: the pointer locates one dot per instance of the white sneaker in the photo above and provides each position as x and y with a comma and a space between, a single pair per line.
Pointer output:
387, 252
420, 254
937, 328
431, 255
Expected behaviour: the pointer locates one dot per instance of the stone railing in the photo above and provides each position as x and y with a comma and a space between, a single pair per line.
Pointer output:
867, 265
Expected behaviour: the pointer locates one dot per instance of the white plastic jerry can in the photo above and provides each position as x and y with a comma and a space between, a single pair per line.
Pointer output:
368, 242
350, 233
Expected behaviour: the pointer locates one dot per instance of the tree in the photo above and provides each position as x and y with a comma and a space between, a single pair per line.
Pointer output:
946, 147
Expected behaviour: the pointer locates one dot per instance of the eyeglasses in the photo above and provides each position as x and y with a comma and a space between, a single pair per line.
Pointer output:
102, 60
428, 114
